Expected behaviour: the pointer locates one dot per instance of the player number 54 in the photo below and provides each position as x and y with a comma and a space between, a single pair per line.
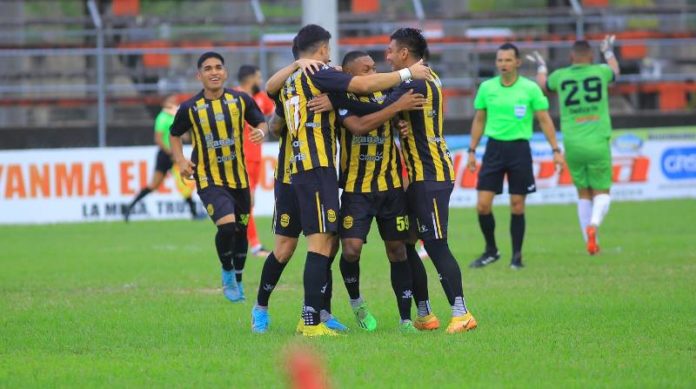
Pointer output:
402, 223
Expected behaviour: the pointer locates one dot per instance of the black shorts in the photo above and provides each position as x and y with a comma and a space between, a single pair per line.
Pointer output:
286, 212
316, 192
507, 158
164, 162
428, 206
388, 207
221, 201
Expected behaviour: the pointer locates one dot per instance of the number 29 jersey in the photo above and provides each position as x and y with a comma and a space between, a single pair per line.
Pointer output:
583, 101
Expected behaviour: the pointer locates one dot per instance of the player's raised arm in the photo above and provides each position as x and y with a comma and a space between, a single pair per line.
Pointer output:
276, 81
542, 70
381, 81
477, 126
607, 49
360, 125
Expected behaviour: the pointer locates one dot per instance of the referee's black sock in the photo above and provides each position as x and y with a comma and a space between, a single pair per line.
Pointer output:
143, 192
487, 224
241, 246
420, 280
314, 284
402, 283
328, 294
350, 271
270, 275
517, 226
224, 243
447, 267
192, 206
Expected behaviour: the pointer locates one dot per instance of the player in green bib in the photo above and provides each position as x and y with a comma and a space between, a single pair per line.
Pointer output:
163, 163
586, 124
505, 110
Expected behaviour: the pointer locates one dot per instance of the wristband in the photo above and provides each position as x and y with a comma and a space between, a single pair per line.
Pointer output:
608, 55
470, 150
405, 74
556, 150
542, 69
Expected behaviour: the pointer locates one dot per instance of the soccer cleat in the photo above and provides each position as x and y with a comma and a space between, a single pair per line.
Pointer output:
592, 246
427, 323
318, 330
407, 328
364, 318
461, 324
229, 286
300, 326
260, 251
259, 320
485, 259
516, 262
335, 325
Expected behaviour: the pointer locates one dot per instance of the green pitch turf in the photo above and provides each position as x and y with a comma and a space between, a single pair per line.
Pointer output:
139, 305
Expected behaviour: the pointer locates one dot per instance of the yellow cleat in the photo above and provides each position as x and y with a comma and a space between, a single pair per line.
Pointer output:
427, 323
462, 324
318, 330
300, 327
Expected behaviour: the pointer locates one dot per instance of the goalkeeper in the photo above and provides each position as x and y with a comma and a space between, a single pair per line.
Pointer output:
586, 126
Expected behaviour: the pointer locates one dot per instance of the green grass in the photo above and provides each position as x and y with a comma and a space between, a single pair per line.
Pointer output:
115, 305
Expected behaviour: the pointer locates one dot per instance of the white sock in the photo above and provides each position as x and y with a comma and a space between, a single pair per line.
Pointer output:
584, 215
600, 207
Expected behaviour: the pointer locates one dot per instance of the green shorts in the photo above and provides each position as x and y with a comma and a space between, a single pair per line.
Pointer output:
590, 167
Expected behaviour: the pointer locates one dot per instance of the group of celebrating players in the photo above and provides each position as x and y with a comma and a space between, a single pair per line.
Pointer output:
319, 106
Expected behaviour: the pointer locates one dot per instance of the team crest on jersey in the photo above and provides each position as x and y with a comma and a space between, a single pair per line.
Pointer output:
284, 220
520, 111
348, 222
331, 215
220, 117
210, 209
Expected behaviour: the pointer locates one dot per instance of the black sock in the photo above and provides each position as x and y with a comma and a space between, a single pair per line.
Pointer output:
402, 283
224, 243
487, 224
241, 246
270, 274
328, 294
420, 277
143, 192
351, 277
447, 267
517, 225
314, 283
192, 206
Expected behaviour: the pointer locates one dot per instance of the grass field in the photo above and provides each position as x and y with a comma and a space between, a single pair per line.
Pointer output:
116, 305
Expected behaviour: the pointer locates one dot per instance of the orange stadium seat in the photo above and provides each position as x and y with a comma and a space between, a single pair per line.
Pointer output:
365, 6
125, 7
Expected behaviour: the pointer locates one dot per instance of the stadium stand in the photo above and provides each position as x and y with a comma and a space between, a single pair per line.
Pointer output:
48, 78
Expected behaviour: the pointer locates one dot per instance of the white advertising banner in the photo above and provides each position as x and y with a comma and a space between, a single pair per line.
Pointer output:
92, 184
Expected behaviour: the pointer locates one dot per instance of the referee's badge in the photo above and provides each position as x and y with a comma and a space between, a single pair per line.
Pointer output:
520, 111
348, 222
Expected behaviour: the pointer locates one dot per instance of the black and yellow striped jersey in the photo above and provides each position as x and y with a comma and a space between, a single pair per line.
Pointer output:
216, 127
313, 135
283, 168
426, 155
370, 162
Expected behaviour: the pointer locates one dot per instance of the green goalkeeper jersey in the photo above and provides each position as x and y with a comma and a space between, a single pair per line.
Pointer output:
584, 102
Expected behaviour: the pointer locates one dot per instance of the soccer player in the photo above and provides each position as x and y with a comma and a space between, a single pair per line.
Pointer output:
431, 180
286, 218
584, 104
215, 116
314, 179
506, 106
370, 167
249, 78
163, 162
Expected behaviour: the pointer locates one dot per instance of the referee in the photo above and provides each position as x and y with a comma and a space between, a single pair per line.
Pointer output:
505, 109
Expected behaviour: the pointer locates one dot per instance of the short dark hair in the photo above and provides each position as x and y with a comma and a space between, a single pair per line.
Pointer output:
207, 55
246, 71
295, 50
310, 37
582, 47
352, 56
510, 46
413, 40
